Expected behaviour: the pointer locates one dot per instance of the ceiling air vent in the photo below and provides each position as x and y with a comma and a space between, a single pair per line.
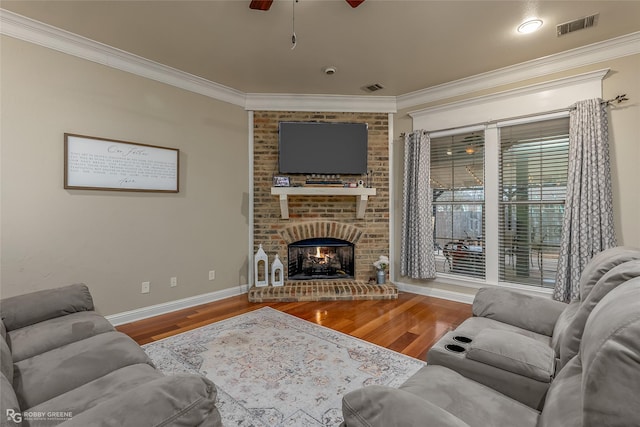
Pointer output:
578, 24
374, 87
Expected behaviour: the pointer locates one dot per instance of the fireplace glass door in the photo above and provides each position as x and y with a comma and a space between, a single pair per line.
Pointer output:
321, 258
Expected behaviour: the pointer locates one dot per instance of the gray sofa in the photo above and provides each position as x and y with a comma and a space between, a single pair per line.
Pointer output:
64, 364
516, 343
599, 386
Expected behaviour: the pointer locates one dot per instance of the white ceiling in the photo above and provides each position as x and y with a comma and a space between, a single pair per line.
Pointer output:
404, 45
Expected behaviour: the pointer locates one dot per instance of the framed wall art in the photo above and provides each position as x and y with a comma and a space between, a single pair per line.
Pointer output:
92, 163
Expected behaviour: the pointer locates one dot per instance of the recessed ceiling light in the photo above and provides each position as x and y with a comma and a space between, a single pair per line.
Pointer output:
530, 25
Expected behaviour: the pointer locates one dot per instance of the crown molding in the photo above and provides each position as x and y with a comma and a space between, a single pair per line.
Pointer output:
22, 28
554, 95
516, 94
586, 55
335, 103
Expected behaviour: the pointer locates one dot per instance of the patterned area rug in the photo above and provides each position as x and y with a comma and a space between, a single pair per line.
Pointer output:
273, 369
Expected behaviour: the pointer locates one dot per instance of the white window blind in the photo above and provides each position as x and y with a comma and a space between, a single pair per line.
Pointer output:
457, 183
532, 188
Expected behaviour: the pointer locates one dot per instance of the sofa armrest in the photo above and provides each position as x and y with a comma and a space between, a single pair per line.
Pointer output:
513, 352
28, 309
532, 313
172, 400
380, 406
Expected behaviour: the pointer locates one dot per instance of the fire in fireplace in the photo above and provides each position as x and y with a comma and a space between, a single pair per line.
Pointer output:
321, 258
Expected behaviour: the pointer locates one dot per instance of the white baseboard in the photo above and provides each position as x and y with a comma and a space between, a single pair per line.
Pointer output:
167, 307
436, 293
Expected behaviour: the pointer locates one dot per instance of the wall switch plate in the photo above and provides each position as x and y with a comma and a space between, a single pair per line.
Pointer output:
146, 287
174, 282
212, 275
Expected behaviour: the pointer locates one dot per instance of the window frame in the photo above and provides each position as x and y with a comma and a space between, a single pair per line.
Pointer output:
539, 101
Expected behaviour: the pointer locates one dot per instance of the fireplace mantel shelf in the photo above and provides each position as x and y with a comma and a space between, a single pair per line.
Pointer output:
361, 195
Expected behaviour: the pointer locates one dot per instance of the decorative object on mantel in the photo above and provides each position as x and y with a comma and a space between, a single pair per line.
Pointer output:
281, 181
381, 265
277, 272
261, 257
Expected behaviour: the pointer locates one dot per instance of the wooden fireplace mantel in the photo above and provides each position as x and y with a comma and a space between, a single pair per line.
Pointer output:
361, 194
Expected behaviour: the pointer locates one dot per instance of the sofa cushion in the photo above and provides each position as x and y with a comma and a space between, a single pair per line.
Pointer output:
100, 390
563, 404
6, 362
610, 352
524, 311
380, 406
514, 353
562, 326
472, 402
28, 309
601, 263
175, 400
8, 403
44, 336
55, 372
618, 275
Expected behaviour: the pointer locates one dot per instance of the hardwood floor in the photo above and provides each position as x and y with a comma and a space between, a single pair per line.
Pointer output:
409, 325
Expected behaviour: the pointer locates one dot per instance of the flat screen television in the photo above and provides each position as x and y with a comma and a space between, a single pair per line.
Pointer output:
322, 148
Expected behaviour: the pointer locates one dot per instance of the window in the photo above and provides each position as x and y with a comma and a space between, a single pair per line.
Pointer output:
532, 190
531, 177
457, 183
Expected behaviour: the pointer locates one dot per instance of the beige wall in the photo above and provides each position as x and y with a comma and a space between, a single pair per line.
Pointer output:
114, 241
624, 139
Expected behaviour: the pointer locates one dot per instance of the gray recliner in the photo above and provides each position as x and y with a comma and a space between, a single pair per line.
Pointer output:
62, 363
599, 386
517, 343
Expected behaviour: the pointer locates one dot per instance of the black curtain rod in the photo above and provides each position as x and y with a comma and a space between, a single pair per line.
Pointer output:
617, 100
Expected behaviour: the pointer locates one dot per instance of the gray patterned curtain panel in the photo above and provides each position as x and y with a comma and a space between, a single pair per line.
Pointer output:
417, 259
588, 219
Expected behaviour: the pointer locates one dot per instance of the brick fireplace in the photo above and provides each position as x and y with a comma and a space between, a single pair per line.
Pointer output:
321, 216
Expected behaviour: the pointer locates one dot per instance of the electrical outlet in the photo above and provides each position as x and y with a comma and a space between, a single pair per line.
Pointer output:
212, 275
174, 282
146, 287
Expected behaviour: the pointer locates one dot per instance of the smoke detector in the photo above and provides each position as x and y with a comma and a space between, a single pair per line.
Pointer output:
578, 24
329, 71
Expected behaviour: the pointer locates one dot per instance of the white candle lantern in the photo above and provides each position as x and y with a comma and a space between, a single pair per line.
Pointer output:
277, 272
260, 261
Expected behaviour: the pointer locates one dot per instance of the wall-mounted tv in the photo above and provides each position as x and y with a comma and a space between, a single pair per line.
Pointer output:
322, 148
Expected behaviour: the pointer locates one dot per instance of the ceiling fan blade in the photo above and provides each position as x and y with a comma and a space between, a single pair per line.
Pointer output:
260, 4
355, 3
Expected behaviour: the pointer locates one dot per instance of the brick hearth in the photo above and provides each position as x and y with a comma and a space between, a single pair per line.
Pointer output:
322, 216
323, 290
